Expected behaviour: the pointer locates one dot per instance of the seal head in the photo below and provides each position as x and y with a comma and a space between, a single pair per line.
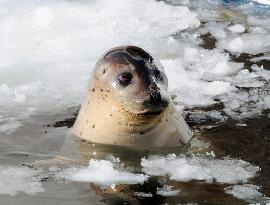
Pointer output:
127, 102
137, 81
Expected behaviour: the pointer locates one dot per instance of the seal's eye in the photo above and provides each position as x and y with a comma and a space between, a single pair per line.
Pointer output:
125, 79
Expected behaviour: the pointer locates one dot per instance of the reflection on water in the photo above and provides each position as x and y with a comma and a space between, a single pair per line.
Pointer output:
131, 156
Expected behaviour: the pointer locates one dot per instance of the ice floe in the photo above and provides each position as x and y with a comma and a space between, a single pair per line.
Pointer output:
179, 168
183, 168
237, 28
104, 173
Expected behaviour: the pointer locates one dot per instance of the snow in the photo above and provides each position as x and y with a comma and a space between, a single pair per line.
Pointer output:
19, 179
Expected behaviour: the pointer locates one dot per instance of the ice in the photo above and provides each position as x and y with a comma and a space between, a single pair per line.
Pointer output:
19, 179
266, 2
9, 125
143, 194
259, 22
262, 73
184, 168
237, 28
217, 116
264, 57
202, 116
216, 29
104, 173
246, 104
167, 190
198, 78
236, 45
266, 101
248, 192
245, 78
110, 172
48, 49
252, 43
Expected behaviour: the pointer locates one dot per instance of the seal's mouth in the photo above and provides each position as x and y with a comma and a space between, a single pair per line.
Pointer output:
147, 107
151, 113
145, 112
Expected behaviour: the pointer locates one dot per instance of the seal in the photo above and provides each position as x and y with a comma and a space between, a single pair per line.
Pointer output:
127, 103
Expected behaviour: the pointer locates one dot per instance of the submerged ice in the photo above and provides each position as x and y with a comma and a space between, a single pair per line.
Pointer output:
19, 179
249, 193
183, 168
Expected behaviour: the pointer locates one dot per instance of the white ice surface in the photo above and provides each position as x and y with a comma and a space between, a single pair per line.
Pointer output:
19, 179
102, 172
237, 28
252, 43
183, 168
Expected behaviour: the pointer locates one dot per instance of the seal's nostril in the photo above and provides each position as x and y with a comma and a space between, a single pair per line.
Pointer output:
155, 97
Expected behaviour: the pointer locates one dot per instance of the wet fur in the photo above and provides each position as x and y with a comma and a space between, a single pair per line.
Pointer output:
111, 114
